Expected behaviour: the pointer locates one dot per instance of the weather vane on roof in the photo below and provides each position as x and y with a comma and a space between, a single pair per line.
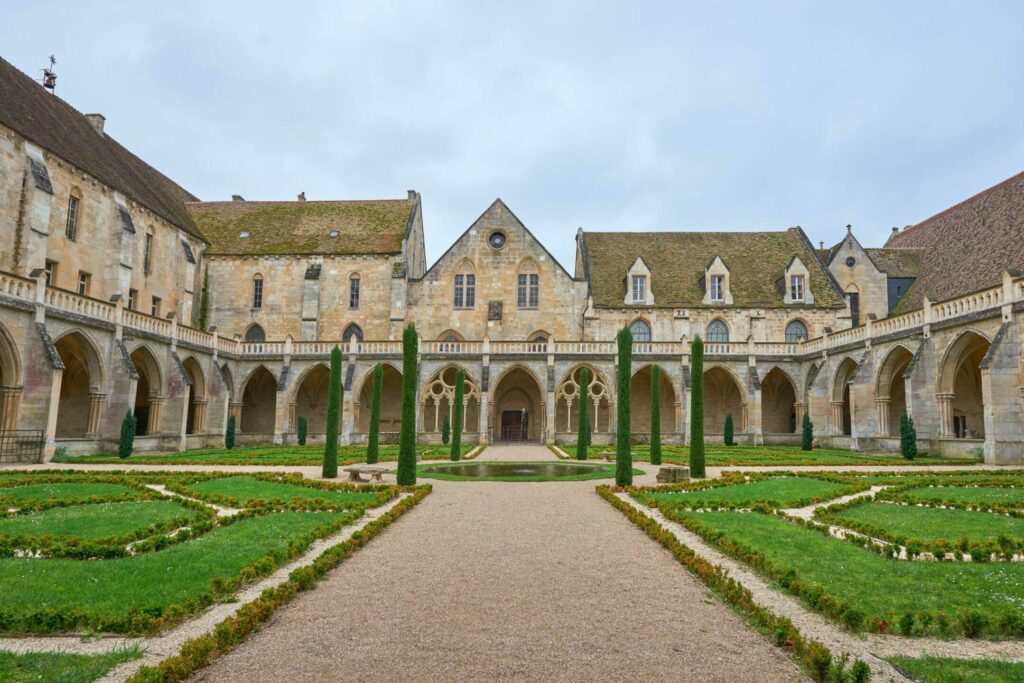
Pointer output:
50, 76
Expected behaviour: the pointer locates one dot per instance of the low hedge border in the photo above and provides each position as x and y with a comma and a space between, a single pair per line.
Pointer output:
739, 479
199, 652
814, 657
183, 486
970, 623
137, 484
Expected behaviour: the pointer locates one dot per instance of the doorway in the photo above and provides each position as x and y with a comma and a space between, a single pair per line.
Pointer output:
515, 425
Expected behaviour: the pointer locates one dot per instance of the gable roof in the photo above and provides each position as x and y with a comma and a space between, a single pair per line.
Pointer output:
677, 261
896, 262
968, 246
51, 123
304, 227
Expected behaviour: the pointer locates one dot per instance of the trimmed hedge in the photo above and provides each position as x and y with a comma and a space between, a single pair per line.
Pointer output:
697, 469
623, 433
330, 468
373, 443
407, 435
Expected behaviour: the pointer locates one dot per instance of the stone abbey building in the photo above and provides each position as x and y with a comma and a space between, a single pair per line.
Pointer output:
121, 291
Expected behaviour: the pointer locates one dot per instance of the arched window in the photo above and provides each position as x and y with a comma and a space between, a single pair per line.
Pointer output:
640, 330
718, 331
796, 332
255, 333
257, 291
465, 286
353, 291
539, 336
352, 330
528, 285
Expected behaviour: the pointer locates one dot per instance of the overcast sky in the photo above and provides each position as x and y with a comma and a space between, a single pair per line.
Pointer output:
610, 116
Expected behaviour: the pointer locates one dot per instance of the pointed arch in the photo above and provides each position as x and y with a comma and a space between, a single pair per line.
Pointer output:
961, 398
723, 395
259, 402
352, 330
796, 331
310, 397
717, 331
437, 397
229, 380
390, 402
890, 389
599, 401
196, 417
10, 360
640, 329
254, 333
842, 410
518, 413
81, 379
640, 390
778, 402
148, 390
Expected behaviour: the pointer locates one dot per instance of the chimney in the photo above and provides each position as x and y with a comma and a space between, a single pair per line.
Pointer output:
412, 194
96, 121
237, 198
895, 229
302, 196
821, 245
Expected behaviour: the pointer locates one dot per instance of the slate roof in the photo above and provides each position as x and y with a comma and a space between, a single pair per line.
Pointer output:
756, 262
304, 227
968, 246
897, 262
51, 123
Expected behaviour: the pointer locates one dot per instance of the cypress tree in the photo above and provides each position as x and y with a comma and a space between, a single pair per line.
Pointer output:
373, 444
729, 430
583, 417
807, 435
908, 436
460, 393
127, 443
330, 469
655, 415
446, 431
697, 408
229, 434
623, 445
407, 436
303, 429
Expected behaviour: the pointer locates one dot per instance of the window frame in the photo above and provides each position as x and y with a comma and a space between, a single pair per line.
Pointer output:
147, 254
50, 271
354, 287
717, 288
133, 294
638, 288
713, 338
71, 222
797, 287
154, 308
257, 292
796, 339
648, 332
84, 282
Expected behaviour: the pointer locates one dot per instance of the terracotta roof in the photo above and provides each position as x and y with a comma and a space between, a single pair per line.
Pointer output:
304, 227
756, 261
897, 262
968, 246
51, 123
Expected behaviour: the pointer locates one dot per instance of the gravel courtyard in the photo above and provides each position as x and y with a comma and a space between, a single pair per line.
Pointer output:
525, 581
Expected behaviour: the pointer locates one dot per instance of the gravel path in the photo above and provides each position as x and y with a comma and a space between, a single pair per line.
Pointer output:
511, 581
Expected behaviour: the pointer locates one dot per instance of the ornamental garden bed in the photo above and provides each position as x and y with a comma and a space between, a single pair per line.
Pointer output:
756, 456
265, 455
777, 490
254, 489
61, 667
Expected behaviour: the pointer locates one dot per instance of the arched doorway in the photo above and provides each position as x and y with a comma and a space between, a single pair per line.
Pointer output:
10, 381
80, 402
437, 398
196, 418
961, 400
640, 410
778, 403
842, 410
722, 396
390, 404
518, 407
311, 398
567, 398
147, 392
890, 391
259, 402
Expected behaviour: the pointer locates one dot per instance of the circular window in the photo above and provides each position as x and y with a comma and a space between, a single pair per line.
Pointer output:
850, 262
497, 240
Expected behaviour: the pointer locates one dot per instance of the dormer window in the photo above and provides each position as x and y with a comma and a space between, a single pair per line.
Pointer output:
638, 284
796, 279
639, 288
717, 287
796, 287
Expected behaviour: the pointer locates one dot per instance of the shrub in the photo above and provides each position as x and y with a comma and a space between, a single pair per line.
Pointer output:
446, 431
908, 437
583, 418
204, 302
697, 408
729, 441
460, 394
807, 433
623, 440
303, 429
330, 469
127, 442
229, 434
655, 415
407, 436
373, 442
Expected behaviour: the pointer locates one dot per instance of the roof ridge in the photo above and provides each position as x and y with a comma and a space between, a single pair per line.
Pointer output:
242, 202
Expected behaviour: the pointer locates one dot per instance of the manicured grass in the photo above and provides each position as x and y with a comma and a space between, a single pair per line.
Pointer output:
980, 495
878, 587
935, 524
594, 470
64, 490
948, 670
61, 667
784, 491
107, 593
266, 455
242, 489
102, 520
741, 456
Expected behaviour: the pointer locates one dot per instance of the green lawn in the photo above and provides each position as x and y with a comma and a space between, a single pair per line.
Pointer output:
101, 520
61, 594
783, 491
740, 456
947, 670
266, 455
589, 470
981, 495
242, 489
64, 490
60, 667
878, 587
934, 524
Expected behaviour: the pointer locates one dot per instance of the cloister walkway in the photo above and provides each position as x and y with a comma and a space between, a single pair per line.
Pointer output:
525, 581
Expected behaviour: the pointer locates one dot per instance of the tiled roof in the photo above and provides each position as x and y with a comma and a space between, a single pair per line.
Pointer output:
897, 262
51, 123
756, 262
967, 247
304, 227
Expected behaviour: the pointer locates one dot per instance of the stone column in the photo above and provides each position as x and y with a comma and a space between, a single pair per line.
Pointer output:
945, 401
292, 424
744, 417
11, 401
96, 401
156, 404
52, 405
485, 421
882, 409
199, 419
837, 417
800, 409
235, 411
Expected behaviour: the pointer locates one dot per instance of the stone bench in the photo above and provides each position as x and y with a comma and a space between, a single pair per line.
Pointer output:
356, 471
608, 455
669, 474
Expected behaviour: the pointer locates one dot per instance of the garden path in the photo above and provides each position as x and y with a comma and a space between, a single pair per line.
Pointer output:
524, 581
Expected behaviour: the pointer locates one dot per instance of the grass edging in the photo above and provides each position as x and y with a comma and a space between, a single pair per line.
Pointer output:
812, 656
228, 634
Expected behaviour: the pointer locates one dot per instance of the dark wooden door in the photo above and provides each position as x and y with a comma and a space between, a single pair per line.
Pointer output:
515, 425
